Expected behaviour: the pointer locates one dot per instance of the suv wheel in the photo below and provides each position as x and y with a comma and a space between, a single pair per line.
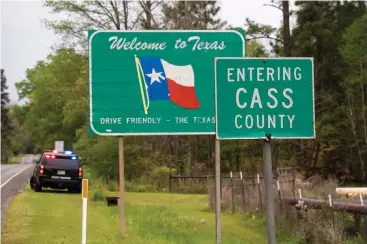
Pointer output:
31, 183
37, 187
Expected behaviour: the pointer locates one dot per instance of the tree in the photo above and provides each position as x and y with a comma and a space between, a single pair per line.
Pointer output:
318, 34
5, 121
192, 15
57, 98
354, 55
97, 15
21, 140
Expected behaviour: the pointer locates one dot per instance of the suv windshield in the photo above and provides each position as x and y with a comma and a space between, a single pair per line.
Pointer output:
62, 161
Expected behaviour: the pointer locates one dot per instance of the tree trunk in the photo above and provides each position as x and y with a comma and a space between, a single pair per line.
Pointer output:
363, 107
353, 124
286, 29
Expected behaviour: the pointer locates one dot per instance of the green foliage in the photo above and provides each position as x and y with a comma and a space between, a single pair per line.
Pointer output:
199, 15
134, 186
190, 188
160, 176
6, 126
54, 86
255, 49
21, 140
15, 159
98, 196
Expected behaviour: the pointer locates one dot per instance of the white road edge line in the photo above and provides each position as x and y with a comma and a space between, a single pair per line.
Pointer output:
6, 182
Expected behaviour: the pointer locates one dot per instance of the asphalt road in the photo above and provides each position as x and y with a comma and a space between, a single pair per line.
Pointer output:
13, 179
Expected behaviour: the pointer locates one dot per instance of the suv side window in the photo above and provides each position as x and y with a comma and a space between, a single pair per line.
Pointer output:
42, 160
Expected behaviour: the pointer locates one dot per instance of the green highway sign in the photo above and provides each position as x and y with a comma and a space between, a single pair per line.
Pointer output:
258, 96
156, 82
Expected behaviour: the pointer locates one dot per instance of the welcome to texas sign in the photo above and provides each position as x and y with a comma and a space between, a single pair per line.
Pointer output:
156, 82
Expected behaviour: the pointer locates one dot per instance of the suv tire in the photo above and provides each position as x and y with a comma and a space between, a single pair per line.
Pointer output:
37, 187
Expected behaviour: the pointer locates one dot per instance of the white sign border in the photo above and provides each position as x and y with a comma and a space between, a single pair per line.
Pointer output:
262, 137
91, 126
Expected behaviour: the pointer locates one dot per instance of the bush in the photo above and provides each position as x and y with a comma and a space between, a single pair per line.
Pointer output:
160, 176
98, 196
112, 186
131, 186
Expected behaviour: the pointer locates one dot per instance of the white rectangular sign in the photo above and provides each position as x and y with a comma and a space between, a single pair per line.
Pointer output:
59, 146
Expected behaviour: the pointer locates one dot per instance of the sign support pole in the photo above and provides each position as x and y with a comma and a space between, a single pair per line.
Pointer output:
217, 193
268, 182
122, 185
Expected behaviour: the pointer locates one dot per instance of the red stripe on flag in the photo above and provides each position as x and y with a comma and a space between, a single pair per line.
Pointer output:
183, 96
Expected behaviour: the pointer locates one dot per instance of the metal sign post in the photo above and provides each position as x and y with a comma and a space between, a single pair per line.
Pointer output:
122, 185
268, 182
218, 222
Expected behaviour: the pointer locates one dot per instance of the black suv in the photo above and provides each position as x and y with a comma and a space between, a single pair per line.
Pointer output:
58, 170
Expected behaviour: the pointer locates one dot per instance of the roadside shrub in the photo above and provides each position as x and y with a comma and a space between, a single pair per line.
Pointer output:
98, 196
112, 186
160, 176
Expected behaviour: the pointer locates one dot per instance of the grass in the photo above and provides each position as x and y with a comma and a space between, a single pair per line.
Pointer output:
154, 218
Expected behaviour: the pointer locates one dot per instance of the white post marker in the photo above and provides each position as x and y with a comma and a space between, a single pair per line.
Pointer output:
330, 202
231, 174
258, 178
84, 216
241, 174
278, 186
361, 198
300, 194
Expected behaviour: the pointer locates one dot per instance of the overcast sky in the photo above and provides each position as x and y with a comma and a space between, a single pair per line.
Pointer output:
25, 40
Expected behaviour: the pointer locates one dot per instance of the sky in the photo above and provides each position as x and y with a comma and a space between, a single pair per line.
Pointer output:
25, 40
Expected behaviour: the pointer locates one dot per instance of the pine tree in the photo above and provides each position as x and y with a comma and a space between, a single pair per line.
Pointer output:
198, 15
318, 34
5, 121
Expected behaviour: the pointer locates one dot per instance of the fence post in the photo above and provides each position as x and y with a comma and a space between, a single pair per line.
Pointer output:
169, 183
280, 197
331, 207
260, 196
232, 186
243, 192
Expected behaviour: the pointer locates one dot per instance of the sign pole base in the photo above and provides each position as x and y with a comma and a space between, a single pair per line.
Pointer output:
268, 182
217, 194
122, 186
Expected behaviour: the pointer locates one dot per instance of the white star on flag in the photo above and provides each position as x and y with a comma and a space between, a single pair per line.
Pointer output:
154, 76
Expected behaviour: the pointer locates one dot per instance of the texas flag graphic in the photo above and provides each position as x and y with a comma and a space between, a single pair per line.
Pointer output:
165, 81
